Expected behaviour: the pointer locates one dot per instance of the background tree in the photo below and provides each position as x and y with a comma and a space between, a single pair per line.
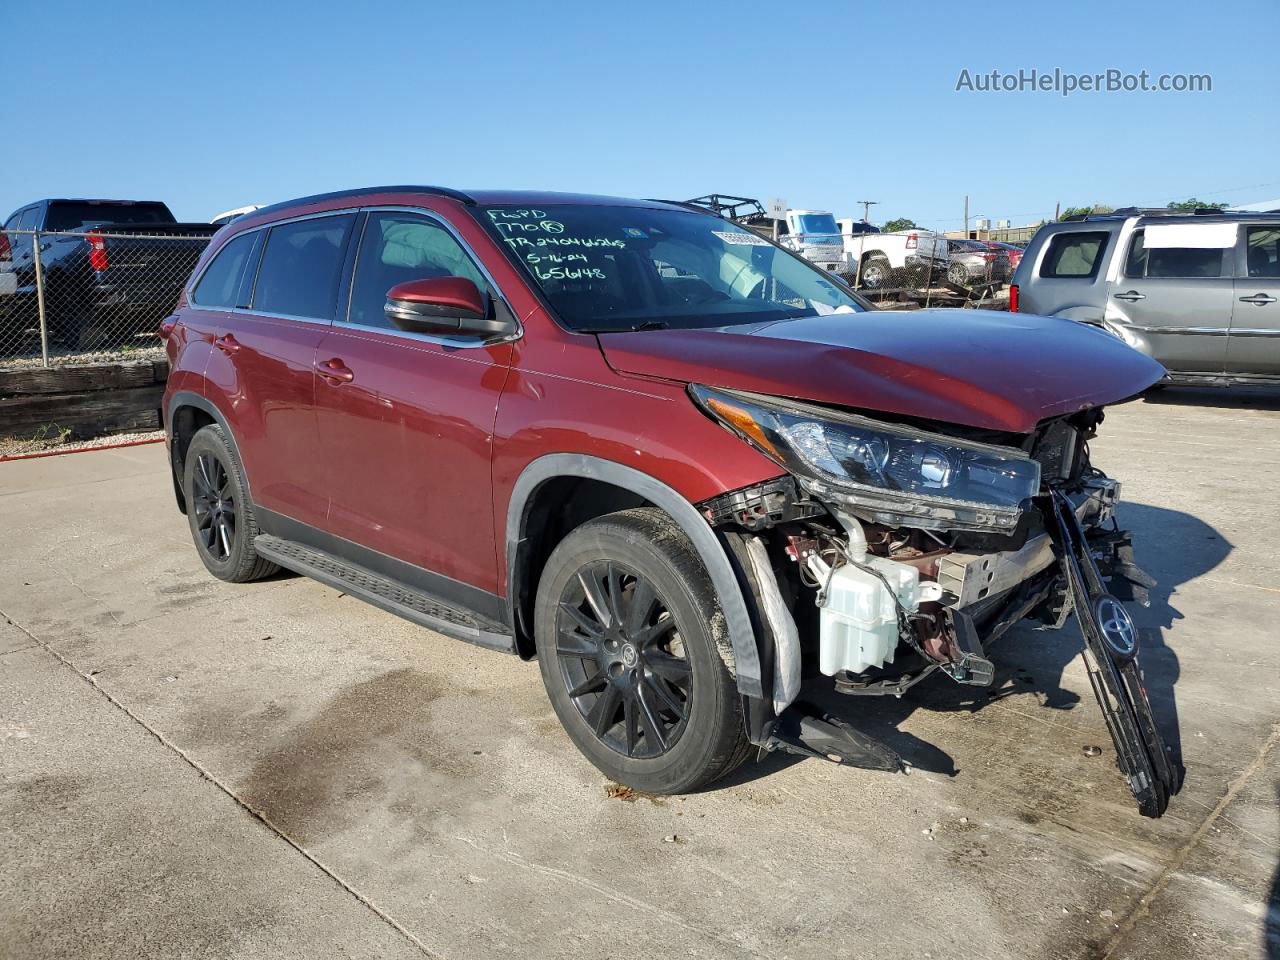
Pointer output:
902, 223
1085, 211
1190, 206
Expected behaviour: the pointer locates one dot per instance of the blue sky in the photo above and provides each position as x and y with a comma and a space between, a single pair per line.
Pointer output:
211, 106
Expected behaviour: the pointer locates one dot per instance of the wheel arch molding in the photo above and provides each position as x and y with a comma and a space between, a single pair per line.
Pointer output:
178, 442
566, 466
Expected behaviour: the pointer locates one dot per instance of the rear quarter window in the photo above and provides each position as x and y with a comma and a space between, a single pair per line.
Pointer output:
1076, 255
218, 285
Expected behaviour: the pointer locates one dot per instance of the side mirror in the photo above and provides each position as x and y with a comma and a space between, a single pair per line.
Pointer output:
445, 305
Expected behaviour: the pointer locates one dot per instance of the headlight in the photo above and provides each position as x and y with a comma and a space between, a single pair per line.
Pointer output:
893, 474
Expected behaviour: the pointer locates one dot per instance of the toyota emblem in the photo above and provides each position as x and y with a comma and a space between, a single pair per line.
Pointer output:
1117, 626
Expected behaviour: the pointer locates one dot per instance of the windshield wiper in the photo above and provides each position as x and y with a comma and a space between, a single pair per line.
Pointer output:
634, 328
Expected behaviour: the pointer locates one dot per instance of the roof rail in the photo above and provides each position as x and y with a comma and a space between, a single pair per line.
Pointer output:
1165, 212
367, 191
1143, 212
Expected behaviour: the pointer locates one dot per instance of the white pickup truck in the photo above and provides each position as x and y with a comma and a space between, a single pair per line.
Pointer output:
901, 258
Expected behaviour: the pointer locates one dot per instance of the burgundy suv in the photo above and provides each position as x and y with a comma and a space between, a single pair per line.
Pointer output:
676, 463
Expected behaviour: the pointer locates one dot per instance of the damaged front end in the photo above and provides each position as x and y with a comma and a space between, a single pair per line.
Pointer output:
891, 551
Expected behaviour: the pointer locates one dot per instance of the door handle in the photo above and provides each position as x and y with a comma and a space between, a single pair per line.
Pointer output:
1132, 296
227, 344
334, 370
1259, 299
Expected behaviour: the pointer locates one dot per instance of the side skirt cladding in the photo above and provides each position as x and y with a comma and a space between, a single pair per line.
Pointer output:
723, 578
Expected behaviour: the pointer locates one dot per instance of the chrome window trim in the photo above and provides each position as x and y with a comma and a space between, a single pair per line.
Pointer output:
264, 315
444, 341
467, 343
196, 278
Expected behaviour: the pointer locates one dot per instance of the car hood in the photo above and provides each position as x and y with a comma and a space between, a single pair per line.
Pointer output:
979, 368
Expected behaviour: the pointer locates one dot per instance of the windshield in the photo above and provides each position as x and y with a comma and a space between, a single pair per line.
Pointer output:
612, 268
817, 223
75, 215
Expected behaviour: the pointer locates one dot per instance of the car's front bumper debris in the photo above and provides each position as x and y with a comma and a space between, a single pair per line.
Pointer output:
1111, 656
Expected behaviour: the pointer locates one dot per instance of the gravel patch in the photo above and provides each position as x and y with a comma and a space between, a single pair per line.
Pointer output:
15, 446
63, 356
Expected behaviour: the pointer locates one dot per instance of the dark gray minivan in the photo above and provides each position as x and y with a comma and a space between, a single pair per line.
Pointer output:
1198, 292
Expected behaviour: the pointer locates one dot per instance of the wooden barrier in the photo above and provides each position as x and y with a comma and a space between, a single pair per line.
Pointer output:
92, 399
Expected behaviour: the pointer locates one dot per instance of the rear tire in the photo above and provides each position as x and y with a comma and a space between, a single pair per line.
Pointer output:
218, 509
634, 654
876, 273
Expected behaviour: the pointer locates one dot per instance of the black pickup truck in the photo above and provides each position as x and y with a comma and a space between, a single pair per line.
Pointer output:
111, 268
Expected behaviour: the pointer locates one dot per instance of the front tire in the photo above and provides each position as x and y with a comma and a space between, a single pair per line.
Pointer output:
876, 273
633, 652
218, 509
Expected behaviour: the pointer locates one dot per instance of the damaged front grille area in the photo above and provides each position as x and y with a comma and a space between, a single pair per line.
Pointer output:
877, 607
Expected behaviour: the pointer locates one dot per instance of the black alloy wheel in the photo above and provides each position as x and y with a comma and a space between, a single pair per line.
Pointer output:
215, 506
218, 510
622, 660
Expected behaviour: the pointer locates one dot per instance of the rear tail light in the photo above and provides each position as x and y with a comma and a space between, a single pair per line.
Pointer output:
912, 241
6, 251
97, 252
1013, 299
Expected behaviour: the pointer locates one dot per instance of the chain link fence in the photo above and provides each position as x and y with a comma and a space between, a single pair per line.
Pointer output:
89, 296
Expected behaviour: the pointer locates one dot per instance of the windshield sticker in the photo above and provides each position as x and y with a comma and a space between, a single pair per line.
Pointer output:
742, 239
634, 232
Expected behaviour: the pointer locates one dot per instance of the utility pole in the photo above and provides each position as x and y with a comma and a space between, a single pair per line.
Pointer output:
966, 216
866, 208
1057, 211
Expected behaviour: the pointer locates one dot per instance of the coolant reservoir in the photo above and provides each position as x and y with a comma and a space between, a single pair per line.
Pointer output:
859, 616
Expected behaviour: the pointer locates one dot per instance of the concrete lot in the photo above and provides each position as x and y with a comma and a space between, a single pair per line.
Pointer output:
194, 769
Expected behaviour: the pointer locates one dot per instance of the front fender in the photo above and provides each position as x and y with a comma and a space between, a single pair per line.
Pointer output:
695, 527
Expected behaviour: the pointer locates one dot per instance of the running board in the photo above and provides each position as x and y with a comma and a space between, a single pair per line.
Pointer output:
384, 593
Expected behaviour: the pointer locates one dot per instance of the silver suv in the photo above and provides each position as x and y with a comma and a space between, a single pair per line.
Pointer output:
1198, 292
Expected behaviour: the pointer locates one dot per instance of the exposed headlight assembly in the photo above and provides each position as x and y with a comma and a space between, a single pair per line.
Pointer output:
887, 473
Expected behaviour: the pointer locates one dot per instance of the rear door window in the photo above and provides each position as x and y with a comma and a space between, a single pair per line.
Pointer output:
397, 248
220, 281
1074, 255
1172, 262
301, 267
1262, 252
